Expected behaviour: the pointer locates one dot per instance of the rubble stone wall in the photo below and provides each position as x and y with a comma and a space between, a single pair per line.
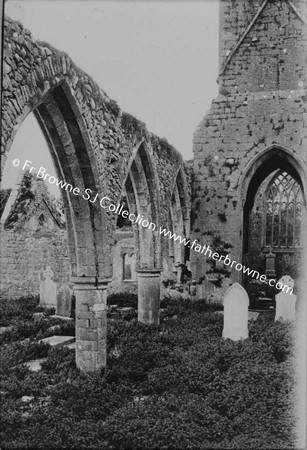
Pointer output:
259, 117
94, 140
24, 256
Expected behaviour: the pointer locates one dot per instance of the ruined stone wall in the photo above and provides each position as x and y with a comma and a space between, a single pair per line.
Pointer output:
124, 243
261, 107
262, 45
24, 255
32, 70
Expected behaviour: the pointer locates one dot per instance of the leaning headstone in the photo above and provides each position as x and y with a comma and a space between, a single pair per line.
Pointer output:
236, 303
285, 301
64, 295
47, 289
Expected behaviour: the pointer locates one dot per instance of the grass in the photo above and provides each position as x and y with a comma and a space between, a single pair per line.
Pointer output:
177, 385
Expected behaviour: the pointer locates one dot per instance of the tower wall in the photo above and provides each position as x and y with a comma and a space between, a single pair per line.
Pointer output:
261, 109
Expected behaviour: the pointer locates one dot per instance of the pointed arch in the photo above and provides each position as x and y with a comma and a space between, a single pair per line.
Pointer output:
260, 172
273, 158
62, 124
142, 191
179, 218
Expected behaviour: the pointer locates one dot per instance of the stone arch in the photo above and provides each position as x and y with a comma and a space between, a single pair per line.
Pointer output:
56, 92
178, 220
258, 170
274, 153
142, 190
141, 187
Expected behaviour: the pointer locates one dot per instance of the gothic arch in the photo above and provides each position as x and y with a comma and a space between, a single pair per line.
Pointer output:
142, 192
275, 155
62, 125
141, 186
57, 92
178, 219
260, 169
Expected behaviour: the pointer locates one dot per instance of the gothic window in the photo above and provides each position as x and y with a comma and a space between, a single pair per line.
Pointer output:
129, 267
283, 204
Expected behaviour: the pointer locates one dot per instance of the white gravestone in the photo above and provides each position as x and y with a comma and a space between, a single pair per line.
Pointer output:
236, 303
285, 301
47, 289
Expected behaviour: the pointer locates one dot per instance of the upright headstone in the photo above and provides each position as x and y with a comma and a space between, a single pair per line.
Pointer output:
64, 296
285, 301
47, 289
236, 303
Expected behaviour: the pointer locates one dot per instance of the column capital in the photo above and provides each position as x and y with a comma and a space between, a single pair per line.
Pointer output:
154, 272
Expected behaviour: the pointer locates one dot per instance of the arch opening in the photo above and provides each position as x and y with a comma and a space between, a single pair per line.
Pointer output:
273, 220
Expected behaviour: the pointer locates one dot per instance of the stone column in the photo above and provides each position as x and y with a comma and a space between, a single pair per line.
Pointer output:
148, 295
91, 322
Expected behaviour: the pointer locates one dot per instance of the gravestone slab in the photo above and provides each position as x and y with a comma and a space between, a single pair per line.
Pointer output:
58, 341
236, 304
47, 289
64, 295
285, 301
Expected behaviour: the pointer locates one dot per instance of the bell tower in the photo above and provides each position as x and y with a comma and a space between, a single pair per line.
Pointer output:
254, 128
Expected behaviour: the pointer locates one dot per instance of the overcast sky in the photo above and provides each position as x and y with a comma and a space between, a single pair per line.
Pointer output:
158, 60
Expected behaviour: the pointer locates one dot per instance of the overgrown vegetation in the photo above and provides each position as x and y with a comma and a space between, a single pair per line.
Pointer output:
177, 385
123, 300
132, 125
24, 196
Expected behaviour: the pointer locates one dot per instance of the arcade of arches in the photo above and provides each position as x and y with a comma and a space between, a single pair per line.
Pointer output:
246, 185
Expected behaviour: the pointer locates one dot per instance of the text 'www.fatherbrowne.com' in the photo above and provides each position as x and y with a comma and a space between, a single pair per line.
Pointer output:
119, 209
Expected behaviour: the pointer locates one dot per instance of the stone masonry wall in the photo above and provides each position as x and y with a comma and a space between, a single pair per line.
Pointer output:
272, 54
31, 70
261, 106
24, 255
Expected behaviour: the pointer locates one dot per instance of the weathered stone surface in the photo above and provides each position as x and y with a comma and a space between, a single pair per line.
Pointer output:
148, 296
236, 303
259, 114
256, 124
285, 301
64, 298
32, 236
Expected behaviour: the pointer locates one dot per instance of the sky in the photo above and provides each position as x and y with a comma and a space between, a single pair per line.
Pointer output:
157, 59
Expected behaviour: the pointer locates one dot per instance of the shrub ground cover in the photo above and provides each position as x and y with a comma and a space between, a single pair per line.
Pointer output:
178, 385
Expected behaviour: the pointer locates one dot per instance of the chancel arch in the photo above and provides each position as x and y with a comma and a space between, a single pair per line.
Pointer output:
274, 214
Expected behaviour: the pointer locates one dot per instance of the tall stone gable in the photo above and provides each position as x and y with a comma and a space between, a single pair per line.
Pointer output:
256, 125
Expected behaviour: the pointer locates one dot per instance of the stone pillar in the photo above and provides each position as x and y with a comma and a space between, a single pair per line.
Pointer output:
91, 322
148, 295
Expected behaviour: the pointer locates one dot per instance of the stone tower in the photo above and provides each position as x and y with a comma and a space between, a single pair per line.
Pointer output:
254, 129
